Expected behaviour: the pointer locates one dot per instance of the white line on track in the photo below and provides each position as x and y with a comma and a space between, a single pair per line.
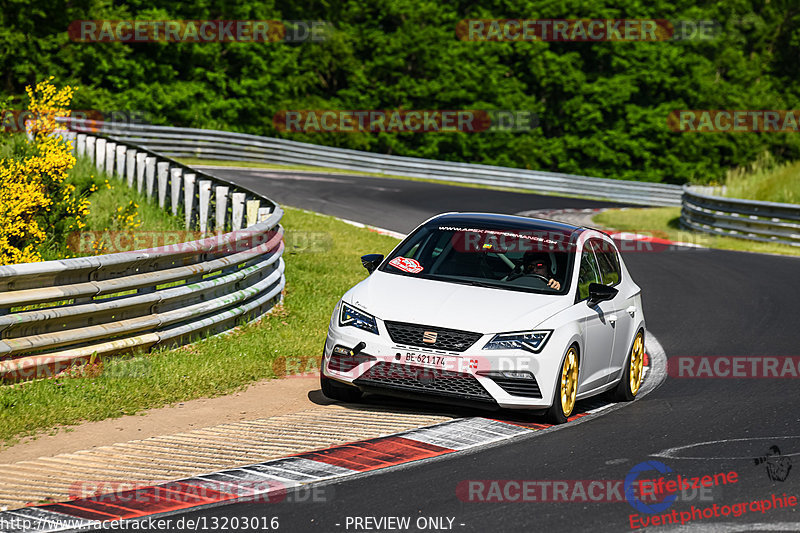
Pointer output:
674, 453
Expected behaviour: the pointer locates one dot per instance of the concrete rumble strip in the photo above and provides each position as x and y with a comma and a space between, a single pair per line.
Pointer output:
163, 458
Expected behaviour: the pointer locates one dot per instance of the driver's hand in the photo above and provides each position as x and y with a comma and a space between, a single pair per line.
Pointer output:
553, 284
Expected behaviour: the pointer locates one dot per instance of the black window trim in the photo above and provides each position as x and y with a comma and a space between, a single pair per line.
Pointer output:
616, 255
588, 245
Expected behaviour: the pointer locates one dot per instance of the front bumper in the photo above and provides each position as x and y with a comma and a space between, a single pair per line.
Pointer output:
473, 377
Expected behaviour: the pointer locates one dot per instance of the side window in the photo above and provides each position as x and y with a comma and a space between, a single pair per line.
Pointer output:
608, 262
589, 272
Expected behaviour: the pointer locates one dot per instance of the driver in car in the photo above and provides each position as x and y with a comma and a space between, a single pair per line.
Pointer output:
538, 263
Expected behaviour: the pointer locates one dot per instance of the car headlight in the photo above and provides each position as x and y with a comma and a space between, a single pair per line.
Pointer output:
532, 341
350, 316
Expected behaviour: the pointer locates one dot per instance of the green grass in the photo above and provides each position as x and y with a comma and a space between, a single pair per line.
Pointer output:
663, 222
106, 201
292, 337
780, 183
111, 194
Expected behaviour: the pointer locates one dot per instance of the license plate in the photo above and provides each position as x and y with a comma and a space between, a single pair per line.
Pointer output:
432, 360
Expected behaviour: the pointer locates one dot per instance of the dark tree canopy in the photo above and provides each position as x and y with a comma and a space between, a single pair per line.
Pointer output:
602, 107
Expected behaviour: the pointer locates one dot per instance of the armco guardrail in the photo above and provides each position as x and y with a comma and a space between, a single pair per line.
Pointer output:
212, 144
743, 219
54, 313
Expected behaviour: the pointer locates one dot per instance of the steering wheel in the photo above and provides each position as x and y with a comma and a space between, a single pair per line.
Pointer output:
543, 278
514, 276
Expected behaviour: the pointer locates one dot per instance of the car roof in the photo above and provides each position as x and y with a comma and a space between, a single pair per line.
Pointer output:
507, 222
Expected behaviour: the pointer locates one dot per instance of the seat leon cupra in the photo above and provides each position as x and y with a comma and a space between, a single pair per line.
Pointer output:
493, 311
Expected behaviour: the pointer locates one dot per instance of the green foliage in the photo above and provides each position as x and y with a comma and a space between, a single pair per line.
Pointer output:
602, 106
766, 181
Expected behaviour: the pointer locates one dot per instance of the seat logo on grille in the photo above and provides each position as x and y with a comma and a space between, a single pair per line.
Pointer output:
429, 337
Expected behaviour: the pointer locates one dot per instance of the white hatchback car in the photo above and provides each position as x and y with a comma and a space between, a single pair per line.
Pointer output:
494, 311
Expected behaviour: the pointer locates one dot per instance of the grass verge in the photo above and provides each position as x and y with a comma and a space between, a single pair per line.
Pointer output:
109, 196
778, 184
290, 339
663, 222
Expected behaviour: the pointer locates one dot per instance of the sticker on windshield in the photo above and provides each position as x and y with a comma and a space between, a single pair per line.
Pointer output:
406, 265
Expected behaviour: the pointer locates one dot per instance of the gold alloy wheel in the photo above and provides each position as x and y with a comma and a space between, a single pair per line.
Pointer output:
637, 363
569, 381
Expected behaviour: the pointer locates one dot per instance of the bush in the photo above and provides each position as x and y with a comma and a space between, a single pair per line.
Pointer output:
38, 205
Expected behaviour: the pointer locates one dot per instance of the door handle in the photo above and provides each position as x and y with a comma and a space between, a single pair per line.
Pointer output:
631, 310
612, 319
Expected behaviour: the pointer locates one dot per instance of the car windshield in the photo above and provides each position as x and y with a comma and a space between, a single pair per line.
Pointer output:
511, 259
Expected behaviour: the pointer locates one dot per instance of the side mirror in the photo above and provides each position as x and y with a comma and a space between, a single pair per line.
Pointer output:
600, 293
371, 261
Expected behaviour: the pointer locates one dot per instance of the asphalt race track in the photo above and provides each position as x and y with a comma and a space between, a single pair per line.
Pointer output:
697, 303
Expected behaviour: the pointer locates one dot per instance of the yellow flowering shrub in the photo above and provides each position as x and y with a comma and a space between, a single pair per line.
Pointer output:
127, 217
22, 198
36, 204
46, 104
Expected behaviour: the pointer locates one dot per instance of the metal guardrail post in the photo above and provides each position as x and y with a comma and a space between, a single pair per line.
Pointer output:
237, 210
130, 166
150, 175
188, 198
90, 150
176, 174
81, 147
140, 160
252, 212
221, 193
204, 187
163, 175
100, 155
109, 157
121, 157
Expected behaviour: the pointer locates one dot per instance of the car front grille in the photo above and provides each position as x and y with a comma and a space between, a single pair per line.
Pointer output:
424, 380
452, 340
528, 388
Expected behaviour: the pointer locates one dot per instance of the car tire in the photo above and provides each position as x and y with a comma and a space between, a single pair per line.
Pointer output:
566, 388
337, 391
631, 381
